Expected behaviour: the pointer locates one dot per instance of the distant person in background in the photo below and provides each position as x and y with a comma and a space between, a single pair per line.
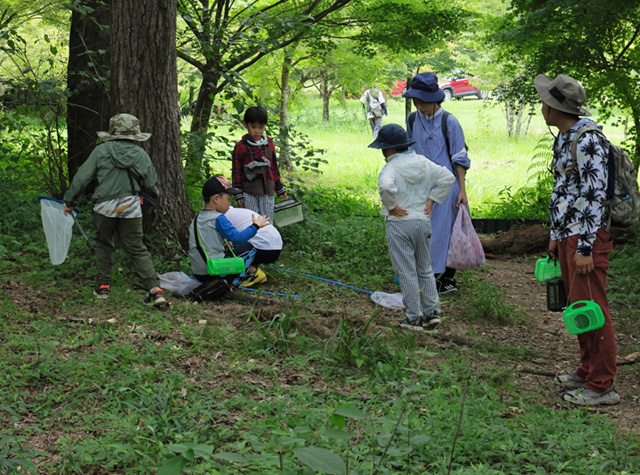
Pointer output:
267, 242
427, 127
373, 101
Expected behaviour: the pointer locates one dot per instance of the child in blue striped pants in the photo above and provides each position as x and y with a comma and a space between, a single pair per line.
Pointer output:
409, 184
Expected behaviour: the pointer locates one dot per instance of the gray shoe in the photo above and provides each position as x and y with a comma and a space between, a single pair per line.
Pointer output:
431, 321
569, 381
415, 325
587, 397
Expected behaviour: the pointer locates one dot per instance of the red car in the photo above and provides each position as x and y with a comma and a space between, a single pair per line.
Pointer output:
458, 86
398, 88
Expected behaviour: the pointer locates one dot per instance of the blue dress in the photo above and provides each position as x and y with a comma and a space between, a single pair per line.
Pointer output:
427, 132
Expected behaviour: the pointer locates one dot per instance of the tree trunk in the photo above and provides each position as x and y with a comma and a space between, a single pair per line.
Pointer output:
145, 84
88, 106
285, 94
200, 123
325, 93
407, 102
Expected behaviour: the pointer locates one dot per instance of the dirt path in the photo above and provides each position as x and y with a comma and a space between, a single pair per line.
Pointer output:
557, 349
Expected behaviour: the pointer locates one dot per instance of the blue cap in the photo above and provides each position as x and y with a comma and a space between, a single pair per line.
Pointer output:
424, 86
391, 136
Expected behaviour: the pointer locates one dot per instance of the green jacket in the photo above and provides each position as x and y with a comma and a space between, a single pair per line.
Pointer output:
108, 163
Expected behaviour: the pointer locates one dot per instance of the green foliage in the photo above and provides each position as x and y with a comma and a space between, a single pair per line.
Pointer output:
545, 33
624, 265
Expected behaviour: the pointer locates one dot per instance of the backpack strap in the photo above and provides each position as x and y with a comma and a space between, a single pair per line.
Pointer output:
199, 245
445, 132
411, 118
574, 143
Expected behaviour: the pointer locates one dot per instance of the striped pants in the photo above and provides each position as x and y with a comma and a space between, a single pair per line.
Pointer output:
409, 242
262, 204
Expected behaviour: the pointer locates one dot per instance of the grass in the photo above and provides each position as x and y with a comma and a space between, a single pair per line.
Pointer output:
291, 386
499, 163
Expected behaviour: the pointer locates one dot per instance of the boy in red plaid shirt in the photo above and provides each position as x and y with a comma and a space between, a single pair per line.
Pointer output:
254, 168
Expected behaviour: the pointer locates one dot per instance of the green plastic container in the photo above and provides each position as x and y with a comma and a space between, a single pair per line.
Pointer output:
226, 266
547, 269
583, 316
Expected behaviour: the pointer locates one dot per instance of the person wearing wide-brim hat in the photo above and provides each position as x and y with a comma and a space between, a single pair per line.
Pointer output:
427, 127
122, 169
409, 184
579, 238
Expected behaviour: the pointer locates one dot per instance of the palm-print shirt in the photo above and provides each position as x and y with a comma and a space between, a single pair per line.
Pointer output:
578, 198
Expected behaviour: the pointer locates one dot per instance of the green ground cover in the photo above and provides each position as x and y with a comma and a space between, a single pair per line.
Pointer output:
318, 384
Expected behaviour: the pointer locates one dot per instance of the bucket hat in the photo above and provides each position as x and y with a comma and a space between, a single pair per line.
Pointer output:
562, 93
216, 185
124, 126
391, 136
424, 86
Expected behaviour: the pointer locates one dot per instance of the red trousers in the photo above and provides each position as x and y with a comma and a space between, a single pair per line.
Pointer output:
597, 347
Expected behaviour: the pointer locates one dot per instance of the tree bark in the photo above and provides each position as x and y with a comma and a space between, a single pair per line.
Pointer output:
88, 106
145, 84
285, 94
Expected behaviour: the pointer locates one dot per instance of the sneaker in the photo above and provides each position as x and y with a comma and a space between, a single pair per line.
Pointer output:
102, 291
445, 286
432, 320
569, 381
254, 279
415, 325
584, 396
156, 297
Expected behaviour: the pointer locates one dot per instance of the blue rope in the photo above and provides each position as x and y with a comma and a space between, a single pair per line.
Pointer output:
270, 293
321, 278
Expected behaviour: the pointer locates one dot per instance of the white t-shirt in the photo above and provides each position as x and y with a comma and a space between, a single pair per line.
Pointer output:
266, 239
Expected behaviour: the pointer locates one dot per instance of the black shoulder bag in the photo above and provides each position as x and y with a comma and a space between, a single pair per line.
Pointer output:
146, 199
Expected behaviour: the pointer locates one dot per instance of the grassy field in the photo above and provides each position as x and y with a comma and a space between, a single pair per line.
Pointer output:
498, 162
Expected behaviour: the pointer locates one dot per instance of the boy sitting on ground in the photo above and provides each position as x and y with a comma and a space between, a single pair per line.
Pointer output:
208, 241
409, 184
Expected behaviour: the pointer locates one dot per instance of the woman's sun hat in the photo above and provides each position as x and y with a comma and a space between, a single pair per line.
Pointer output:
562, 93
124, 127
424, 86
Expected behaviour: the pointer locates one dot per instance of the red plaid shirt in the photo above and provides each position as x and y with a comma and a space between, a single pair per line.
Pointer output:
244, 153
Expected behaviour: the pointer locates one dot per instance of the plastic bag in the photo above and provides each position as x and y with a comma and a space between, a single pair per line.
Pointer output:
393, 301
57, 228
178, 282
465, 250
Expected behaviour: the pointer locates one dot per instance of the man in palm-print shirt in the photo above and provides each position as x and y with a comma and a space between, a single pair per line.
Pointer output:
579, 233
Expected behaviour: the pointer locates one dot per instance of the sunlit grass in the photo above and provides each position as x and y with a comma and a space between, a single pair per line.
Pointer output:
497, 160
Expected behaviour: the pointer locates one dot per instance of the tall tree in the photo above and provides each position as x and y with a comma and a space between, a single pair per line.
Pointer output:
224, 37
89, 104
595, 41
144, 83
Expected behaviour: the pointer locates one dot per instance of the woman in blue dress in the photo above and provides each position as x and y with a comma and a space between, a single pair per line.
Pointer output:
426, 127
